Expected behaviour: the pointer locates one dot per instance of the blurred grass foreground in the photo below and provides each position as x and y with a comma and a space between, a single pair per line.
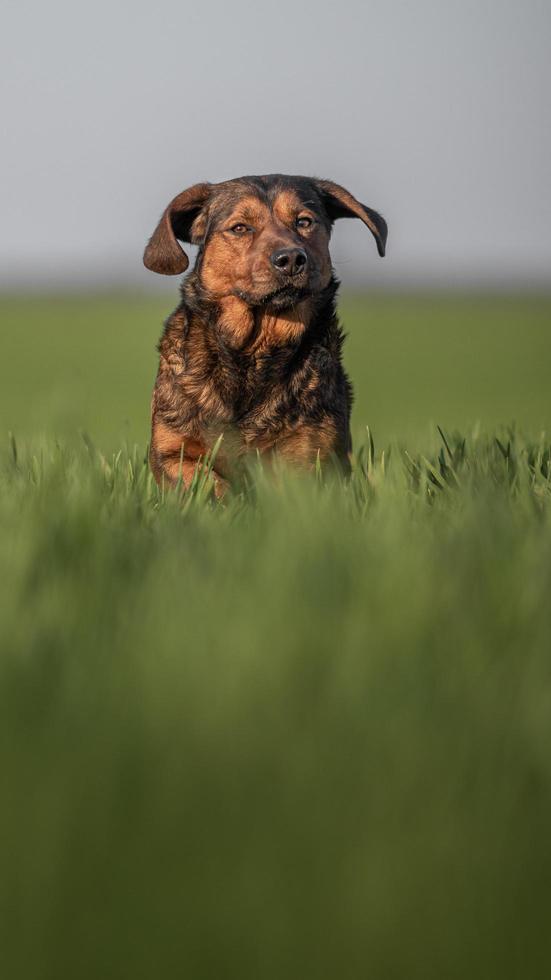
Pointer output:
302, 734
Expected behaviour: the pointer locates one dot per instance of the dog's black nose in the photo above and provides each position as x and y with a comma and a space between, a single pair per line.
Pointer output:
289, 261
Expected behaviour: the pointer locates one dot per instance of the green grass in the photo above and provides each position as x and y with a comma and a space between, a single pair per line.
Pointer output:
302, 734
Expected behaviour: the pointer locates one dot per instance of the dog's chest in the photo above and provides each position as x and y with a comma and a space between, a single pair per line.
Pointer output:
264, 393
253, 402
257, 396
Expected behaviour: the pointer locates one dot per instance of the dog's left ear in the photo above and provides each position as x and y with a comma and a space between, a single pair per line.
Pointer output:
163, 253
340, 203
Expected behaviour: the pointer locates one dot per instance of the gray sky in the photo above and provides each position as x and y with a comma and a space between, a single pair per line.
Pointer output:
435, 112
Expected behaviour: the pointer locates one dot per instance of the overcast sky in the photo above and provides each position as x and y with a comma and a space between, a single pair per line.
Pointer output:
435, 112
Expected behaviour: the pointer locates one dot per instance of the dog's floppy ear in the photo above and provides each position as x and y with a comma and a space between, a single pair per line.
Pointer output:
340, 203
163, 253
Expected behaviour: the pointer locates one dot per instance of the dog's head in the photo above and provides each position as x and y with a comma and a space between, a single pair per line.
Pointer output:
264, 240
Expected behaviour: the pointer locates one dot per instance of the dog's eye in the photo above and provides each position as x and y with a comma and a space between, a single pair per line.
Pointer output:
304, 222
239, 229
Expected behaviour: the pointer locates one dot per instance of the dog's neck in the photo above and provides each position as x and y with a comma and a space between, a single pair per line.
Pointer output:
258, 330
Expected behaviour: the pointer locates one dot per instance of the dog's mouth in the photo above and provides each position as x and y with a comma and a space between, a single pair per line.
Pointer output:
278, 299
286, 296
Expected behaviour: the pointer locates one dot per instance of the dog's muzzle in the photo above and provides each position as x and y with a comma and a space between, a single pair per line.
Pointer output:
290, 261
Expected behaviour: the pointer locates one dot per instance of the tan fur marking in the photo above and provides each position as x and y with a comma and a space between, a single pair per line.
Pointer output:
304, 445
171, 465
287, 205
236, 318
250, 210
166, 440
285, 327
185, 471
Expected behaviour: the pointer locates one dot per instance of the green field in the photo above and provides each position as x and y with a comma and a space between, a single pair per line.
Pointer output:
303, 734
415, 361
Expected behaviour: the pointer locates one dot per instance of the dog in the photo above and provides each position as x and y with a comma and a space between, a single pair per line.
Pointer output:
253, 351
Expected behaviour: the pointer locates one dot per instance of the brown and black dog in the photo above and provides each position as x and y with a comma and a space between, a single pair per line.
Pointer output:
253, 351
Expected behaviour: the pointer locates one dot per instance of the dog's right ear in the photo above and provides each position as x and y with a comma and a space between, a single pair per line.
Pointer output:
163, 253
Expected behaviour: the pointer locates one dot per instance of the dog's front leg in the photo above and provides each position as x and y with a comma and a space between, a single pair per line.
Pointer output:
174, 459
